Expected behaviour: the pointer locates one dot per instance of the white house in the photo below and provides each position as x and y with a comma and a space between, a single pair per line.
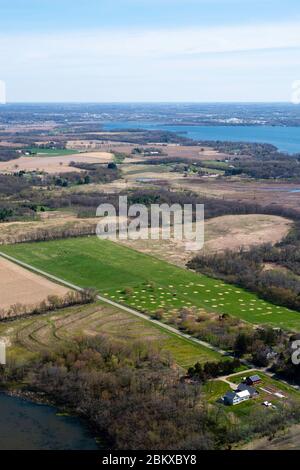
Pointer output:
234, 398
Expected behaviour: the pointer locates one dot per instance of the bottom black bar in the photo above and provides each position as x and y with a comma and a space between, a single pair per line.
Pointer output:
138, 459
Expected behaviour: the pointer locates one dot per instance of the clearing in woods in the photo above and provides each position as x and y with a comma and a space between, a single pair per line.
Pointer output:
144, 282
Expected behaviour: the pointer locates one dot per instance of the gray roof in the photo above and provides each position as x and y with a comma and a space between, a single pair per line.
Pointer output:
230, 395
254, 378
250, 389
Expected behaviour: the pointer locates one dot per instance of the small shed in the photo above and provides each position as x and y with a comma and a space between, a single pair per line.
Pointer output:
253, 380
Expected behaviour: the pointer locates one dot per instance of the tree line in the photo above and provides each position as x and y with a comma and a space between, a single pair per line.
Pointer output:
51, 303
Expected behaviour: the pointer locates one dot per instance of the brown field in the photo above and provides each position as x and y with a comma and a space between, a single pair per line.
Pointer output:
54, 165
263, 193
170, 150
19, 286
235, 231
221, 233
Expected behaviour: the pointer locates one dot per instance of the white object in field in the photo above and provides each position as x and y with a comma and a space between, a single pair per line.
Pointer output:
279, 395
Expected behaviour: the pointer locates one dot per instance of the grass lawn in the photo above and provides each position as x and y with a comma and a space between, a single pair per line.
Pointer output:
214, 389
30, 336
110, 268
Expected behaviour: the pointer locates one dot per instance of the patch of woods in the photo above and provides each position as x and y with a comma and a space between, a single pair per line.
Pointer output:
284, 168
213, 207
71, 229
134, 398
211, 370
261, 346
254, 149
15, 184
255, 160
138, 136
85, 204
52, 303
7, 154
22, 193
92, 173
284, 366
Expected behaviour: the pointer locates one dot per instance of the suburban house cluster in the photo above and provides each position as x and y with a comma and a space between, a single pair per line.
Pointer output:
244, 391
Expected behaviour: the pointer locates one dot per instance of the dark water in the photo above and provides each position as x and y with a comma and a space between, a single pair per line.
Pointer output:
26, 425
286, 139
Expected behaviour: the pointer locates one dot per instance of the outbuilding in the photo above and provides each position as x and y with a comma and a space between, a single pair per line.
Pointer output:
253, 380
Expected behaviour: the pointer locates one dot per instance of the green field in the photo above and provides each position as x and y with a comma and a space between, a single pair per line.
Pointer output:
214, 164
29, 337
51, 152
110, 268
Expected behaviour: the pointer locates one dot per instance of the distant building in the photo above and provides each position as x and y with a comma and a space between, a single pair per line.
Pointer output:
234, 398
253, 380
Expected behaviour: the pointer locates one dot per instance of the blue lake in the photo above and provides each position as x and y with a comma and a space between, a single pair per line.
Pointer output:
286, 139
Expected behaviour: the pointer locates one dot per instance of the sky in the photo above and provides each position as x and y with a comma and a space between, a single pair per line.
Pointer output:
149, 50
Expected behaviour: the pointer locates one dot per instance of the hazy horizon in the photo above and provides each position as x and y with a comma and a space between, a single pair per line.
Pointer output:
149, 50
151, 102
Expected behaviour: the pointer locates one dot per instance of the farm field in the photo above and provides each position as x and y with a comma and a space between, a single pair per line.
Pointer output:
34, 335
141, 172
20, 286
188, 152
146, 283
51, 152
54, 164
